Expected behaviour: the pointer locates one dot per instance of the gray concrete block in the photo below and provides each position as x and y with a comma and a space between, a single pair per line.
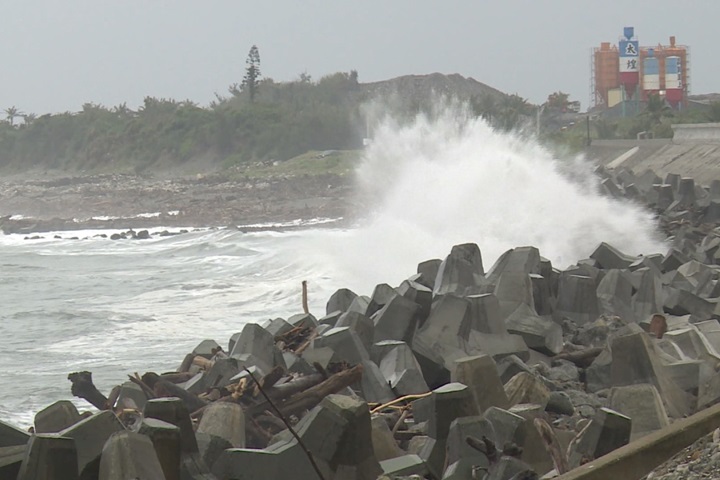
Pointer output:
277, 326
211, 447
11, 436
480, 375
384, 445
512, 290
360, 324
331, 318
650, 297
420, 295
641, 403
131, 396
305, 320
614, 295
608, 431
173, 411
167, 443
345, 344
129, 455
449, 402
609, 257
374, 387
634, 361
507, 426
461, 271
457, 447
539, 333
206, 349
404, 466
360, 304
10, 461
256, 341
577, 298
382, 294
526, 388
402, 371
428, 271
525, 260
397, 320
90, 435
534, 452
485, 314
497, 346
340, 300
225, 420
56, 417
673, 260
50, 457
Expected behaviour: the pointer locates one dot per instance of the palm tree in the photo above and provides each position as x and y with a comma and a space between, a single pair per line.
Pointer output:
12, 113
29, 118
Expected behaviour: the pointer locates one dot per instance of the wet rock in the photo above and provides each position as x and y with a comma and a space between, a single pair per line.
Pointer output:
340, 300
56, 417
129, 455
641, 403
479, 373
50, 457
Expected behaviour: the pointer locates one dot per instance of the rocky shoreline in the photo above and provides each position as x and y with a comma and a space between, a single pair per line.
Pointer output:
127, 201
519, 371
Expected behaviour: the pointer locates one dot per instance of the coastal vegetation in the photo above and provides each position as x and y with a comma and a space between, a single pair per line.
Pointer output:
260, 124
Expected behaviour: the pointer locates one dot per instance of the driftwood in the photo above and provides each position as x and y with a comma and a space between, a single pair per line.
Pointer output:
312, 396
163, 388
83, 387
581, 358
306, 309
177, 377
552, 445
202, 362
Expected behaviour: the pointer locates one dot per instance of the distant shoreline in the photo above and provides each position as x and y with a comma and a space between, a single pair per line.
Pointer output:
123, 202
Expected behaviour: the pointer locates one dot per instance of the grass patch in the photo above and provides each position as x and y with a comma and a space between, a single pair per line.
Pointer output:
331, 162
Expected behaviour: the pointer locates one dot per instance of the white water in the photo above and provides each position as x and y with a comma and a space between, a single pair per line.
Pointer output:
116, 307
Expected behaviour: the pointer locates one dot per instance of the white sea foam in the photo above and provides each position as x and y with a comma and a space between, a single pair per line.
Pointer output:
453, 179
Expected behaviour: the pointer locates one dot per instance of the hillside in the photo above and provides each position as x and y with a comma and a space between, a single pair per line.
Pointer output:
180, 137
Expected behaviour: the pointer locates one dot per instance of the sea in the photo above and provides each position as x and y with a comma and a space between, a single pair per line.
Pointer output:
76, 301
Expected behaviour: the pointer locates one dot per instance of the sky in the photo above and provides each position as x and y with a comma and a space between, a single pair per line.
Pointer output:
56, 56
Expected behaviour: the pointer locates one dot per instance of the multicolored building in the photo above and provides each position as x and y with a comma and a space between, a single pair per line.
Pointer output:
627, 71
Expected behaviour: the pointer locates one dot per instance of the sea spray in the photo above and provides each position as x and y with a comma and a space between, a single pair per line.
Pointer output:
451, 178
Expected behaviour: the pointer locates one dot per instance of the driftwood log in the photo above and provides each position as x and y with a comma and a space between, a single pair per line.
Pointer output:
581, 358
83, 387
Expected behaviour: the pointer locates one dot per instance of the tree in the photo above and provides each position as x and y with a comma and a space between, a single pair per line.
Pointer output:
656, 109
558, 101
252, 73
12, 113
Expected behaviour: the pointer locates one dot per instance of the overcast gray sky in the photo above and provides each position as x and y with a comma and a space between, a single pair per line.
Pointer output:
57, 55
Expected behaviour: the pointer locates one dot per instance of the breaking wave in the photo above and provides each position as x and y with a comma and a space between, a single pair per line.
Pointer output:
450, 178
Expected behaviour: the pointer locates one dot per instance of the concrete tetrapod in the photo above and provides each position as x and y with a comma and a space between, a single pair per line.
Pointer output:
638, 458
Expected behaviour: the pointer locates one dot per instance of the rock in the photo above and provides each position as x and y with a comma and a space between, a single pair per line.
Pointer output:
615, 295
345, 344
563, 372
207, 349
56, 417
50, 457
534, 452
129, 455
649, 298
480, 375
131, 396
641, 403
418, 294
559, 402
